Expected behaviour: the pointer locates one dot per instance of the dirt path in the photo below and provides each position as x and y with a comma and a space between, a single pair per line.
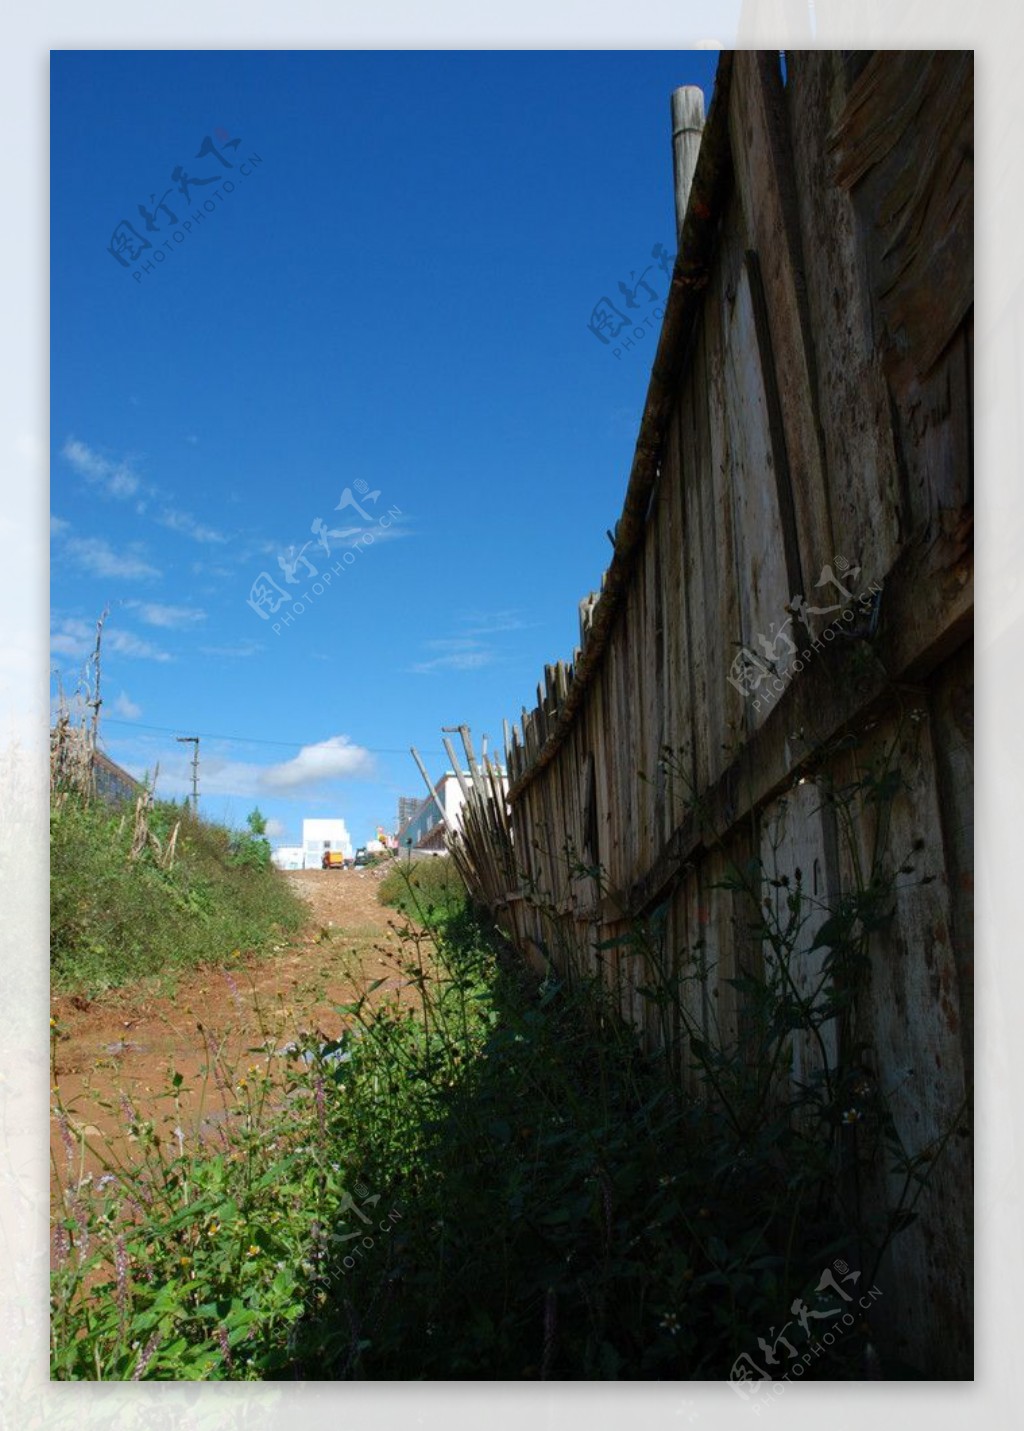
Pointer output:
130, 1041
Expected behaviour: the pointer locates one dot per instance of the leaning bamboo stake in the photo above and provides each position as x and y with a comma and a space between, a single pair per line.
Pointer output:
172, 844
140, 831
431, 792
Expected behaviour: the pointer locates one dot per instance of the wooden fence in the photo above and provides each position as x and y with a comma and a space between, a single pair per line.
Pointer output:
790, 595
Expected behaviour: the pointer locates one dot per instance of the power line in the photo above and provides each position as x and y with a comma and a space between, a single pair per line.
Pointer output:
250, 740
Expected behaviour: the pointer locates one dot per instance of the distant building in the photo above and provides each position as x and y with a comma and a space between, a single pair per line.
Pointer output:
288, 857
321, 835
407, 807
425, 829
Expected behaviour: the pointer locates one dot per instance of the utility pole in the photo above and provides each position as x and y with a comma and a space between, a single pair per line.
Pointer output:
193, 740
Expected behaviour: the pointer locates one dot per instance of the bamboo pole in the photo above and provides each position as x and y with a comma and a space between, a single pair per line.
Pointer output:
687, 127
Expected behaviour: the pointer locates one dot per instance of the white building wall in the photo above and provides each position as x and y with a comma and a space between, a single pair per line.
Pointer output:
288, 857
449, 792
320, 835
453, 799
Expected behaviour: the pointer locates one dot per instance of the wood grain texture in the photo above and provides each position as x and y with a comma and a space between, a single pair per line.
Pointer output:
807, 435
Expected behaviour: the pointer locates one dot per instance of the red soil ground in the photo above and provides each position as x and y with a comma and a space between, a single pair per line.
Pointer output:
131, 1040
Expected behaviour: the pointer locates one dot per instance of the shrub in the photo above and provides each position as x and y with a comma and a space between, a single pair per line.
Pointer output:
430, 890
178, 901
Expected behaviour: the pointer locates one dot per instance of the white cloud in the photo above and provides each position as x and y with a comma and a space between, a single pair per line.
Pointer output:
240, 649
470, 650
65, 643
153, 613
490, 623
453, 643
126, 707
127, 644
97, 557
330, 759
334, 759
58, 526
178, 521
455, 661
458, 653
275, 828
76, 638
115, 478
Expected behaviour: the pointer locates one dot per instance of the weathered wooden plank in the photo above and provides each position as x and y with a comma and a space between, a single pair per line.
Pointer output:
767, 184
910, 1008
861, 475
767, 562
905, 136
753, 378
952, 719
722, 441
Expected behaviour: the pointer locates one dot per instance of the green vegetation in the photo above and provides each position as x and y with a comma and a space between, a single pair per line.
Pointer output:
196, 1259
430, 888
573, 1207
155, 892
564, 1211
491, 1178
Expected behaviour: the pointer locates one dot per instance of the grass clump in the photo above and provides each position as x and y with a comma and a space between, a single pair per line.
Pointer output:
430, 890
130, 898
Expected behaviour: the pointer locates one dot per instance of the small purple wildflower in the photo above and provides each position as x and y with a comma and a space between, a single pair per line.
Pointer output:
81, 1219
147, 1356
222, 1338
61, 1244
234, 989
66, 1138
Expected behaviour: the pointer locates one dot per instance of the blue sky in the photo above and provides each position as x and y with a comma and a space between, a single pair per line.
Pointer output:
370, 358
